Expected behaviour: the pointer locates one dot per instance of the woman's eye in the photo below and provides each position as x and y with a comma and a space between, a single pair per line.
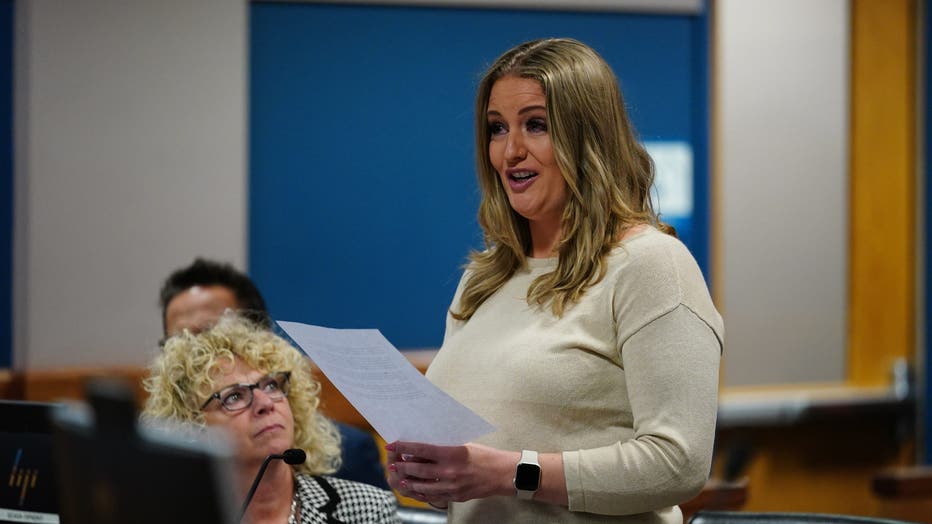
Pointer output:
537, 125
271, 385
232, 397
496, 128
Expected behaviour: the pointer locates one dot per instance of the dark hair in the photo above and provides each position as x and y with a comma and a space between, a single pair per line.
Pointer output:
204, 272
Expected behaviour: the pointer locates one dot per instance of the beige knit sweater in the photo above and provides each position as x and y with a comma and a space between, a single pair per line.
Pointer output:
624, 385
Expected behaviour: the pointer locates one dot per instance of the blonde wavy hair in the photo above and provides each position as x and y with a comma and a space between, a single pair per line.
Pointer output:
607, 171
181, 379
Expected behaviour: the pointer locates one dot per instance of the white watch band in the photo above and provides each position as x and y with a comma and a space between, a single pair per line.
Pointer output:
528, 458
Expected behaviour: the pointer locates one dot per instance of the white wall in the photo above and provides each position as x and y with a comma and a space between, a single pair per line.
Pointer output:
130, 153
783, 82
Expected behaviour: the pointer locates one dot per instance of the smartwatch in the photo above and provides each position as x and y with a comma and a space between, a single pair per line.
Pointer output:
527, 475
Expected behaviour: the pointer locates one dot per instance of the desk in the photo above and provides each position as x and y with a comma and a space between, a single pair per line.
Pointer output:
717, 495
905, 493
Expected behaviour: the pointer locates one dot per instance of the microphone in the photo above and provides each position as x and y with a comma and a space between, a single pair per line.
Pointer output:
294, 456
291, 457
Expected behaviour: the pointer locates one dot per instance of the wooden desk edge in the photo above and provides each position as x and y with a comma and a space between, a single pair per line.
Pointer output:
903, 482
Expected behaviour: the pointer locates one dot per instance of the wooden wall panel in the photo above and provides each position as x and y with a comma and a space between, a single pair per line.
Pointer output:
883, 136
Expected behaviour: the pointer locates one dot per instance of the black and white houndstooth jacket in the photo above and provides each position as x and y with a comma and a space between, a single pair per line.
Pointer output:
330, 500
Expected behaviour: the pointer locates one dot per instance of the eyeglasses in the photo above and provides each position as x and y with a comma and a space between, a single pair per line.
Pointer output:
239, 396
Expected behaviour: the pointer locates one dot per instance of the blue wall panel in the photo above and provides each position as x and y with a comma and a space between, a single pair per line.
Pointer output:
362, 186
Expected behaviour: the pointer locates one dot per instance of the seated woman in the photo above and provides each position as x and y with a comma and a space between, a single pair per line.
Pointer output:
260, 389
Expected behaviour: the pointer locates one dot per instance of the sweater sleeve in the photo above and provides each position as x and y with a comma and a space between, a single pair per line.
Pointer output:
671, 367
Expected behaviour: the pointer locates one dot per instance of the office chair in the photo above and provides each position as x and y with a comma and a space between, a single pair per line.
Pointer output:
776, 517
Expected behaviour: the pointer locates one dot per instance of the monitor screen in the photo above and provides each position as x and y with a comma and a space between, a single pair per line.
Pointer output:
117, 471
28, 492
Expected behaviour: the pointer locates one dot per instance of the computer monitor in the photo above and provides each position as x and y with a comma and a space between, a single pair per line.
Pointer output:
28, 492
112, 470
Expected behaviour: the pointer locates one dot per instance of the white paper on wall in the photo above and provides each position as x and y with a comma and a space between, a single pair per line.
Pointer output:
673, 182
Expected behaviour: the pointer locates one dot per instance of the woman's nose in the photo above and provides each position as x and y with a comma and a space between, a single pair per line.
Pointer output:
514, 148
261, 401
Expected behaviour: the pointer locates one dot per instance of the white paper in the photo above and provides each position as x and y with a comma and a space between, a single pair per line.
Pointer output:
673, 179
399, 402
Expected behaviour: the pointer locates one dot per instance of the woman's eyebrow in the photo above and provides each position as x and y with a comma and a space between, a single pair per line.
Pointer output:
531, 108
492, 112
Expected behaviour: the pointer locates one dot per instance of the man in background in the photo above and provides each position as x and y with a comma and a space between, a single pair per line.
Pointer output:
194, 297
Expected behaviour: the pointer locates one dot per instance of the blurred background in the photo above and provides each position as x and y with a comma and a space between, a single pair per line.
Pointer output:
326, 148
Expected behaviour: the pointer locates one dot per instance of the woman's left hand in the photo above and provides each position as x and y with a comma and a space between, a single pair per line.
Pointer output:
441, 474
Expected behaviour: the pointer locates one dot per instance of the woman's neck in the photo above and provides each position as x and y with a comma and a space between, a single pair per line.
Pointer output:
271, 503
545, 235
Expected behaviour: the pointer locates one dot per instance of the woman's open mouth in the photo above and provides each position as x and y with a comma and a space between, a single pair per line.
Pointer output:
520, 180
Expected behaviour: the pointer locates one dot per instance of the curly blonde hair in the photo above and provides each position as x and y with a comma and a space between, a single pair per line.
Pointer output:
608, 176
181, 379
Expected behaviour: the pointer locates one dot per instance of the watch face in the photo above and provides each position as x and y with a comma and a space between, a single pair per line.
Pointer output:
527, 477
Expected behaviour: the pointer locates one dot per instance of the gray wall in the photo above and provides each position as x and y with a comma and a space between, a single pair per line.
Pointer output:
130, 154
782, 182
